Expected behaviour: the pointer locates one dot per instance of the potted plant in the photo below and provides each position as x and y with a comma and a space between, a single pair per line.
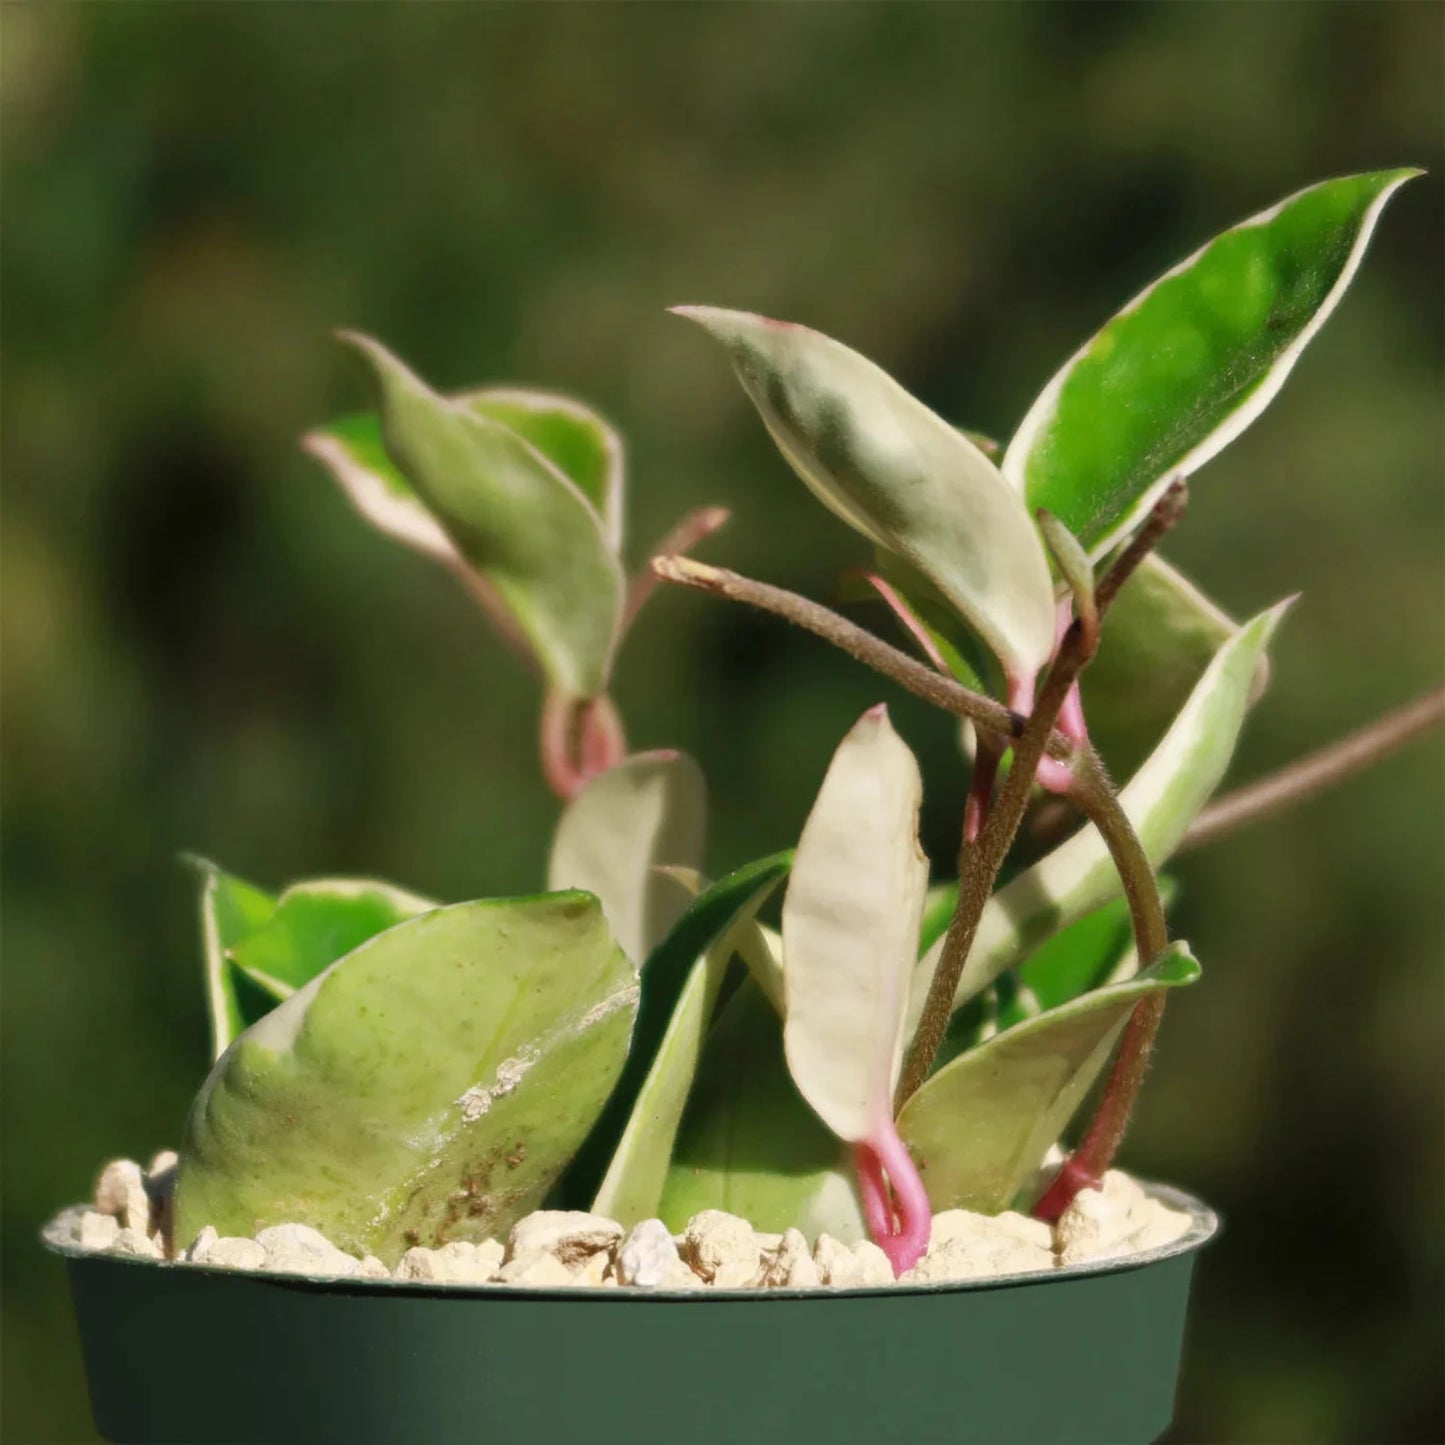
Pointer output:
619, 1160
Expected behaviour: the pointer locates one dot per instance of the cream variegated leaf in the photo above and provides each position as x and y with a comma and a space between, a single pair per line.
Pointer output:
624, 827
850, 929
899, 474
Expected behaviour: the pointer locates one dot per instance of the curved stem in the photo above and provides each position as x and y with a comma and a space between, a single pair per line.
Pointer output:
1093, 794
899, 1227
979, 863
694, 528
858, 643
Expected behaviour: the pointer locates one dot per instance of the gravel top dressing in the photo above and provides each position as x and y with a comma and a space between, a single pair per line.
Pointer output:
549, 1249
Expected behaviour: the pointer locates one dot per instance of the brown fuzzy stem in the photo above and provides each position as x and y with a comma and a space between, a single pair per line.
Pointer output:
858, 643
1318, 771
979, 861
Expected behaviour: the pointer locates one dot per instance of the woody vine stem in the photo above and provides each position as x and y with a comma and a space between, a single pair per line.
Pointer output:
1090, 790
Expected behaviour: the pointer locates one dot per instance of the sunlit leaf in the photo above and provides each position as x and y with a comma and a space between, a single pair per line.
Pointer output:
899, 474
979, 1128
850, 929
230, 909
316, 922
429, 1086
1187, 365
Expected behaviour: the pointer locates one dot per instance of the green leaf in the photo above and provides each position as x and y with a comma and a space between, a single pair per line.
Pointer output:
613, 837
519, 522
353, 451
665, 979
850, 930
583, 447
1159, 637
938, 905
1161, 800
1085, 955
968, 660
1193, 360
315, 923
631, 1190
979, 1128
900, 475
429, 1086
750, 1145
230, 909
1070, 558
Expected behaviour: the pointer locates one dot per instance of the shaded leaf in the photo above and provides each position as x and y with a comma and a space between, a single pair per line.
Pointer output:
429, 1086
1158, 638
1187, 365
583, 447
632, 1188
518, 521
899, 474
979, 1128
665, 978
628, 822
749, 1144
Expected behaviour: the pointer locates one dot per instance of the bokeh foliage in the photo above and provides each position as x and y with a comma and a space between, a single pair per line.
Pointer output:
204, 648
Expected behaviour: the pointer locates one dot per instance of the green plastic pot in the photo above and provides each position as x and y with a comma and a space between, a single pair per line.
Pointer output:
178, 1352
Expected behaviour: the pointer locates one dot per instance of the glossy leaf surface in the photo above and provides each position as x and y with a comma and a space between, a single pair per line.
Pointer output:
979, 1128
1183, 369
850, 929
899, 474
319, 921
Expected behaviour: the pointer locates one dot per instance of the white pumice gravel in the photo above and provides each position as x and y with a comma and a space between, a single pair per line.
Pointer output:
554, 1249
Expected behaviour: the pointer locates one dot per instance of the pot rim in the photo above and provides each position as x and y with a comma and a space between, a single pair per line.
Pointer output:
58, 1238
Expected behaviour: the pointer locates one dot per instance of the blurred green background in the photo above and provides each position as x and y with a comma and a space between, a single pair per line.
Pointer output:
204, 649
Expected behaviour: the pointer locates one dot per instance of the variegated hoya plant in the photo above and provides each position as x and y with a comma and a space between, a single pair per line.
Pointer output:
637, 1040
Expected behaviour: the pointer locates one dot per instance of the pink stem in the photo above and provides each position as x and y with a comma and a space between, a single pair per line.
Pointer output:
1071, 1180
604, 744
901, 1227
694, 528
579, 740
905, 614
987, 755
1053, 775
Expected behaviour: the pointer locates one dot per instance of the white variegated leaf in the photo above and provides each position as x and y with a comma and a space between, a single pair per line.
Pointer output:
900, 475
850, 930
626, 824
